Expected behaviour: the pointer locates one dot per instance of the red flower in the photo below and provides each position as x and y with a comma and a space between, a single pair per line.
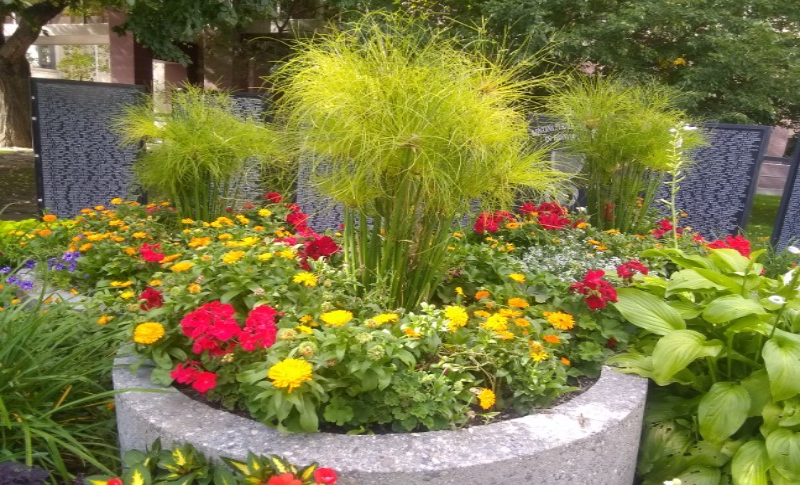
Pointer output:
260, 329
204, 381
611, 343
114, 481
248, 205
284, 479
738, 243
597, 292
152, 299
627, 270
326, 476
149, 253
663, 227
322, 246
209, 326
551, 208
490, 221
552, 221
527, 208
297, 219
273, 197
184, 375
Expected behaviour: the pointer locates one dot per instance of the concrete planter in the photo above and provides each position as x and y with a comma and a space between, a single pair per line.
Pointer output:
590, 440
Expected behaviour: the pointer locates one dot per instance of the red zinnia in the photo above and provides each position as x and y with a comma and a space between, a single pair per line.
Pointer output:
273, 197
326, 476
149, 253
152, 299
322, 246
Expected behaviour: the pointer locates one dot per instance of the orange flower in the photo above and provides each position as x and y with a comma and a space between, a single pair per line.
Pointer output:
518, 303
522, 322
49, 218
551, 339
565, 361
482, 294
45, 232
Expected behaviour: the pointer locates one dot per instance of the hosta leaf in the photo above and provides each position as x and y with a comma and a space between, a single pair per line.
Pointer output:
632, 363
700, 475
782, 359
720, 279
783, 447
723, 410
690, 280
750, 464
757, 385
648, 311
730, 307
729, 260
675, 351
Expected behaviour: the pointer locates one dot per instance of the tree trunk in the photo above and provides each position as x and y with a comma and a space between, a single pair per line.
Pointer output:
15, 103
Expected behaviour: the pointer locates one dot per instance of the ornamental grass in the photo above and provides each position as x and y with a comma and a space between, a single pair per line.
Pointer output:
405, 126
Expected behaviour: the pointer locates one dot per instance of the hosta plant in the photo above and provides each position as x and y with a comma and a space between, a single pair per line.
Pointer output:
723, 342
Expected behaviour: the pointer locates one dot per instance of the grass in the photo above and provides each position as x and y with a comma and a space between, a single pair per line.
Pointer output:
762, 218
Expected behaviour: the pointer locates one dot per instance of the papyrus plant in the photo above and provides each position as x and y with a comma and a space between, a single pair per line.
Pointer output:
196, 153
622, 133
724, 344
405, 127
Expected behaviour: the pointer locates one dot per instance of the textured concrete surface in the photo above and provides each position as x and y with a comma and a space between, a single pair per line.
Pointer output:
590, 440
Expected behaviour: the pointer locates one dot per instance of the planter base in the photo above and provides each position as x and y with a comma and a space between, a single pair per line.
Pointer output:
590, 440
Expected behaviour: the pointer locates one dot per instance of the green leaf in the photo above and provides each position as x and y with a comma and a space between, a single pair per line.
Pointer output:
648, 312
729, 260
137, 475
757, 385
700, 475
161, 377
783, 447
687, 309
675, 351
731, 307
632, 363
721, 279
161, 358
723, 410
750, 464
223, 476
308, 417
782, 359
690, 280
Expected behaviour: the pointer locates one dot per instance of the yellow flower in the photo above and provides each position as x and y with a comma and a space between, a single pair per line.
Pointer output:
98, 207
538, 352
386, 318
679, 61
521, 322
199, 241
182, 266
265, 256
130, 251
304, 329
265, 212
148, 333
486, 398
512, 225
127, 295
305, 278
290, 374
170, 258
258, 228
593, 242
49, 218
194, 288
336, 318
116, 201
482, 294
411, 333
518, 303
509, 313
121, 284
504, 335
482, 313
224, 237
496, 323
602, 248
458, 235
459, 291
186, 220
458, 317
581, 225
156, 282
15, 301
551, 339
232, 257
140, 235
104, 319
519, 278
288, 253
565, 361
559, 320
613, 232
242, 219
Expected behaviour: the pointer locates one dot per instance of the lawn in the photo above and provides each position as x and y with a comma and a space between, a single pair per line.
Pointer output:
762, 218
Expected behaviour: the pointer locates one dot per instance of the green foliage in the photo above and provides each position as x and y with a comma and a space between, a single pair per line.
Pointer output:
723, 341
405, 127
622, 134
55, 406
79, 64
196, 155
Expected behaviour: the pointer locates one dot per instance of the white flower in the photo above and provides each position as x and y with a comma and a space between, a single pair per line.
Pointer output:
674, 481
793, 249
689, 128
777, 299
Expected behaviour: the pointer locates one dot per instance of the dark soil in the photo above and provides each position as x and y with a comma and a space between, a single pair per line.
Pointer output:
582, 384
17, 185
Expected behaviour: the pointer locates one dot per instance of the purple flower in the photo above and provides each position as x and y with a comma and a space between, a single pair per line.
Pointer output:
70, 256
13, 280
72, 266
59, 266
50, 263
5, 270
30, 264
26, 285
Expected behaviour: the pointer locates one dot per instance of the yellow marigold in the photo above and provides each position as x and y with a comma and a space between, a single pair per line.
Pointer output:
538, 352
193, 288
85, 247
304, 329
121, 284
186, 220
482, 294
486, 398
306, 318
49, 218
512, 225
290, 374
458, 235
182, 266
560, 320
232, 257
225, 237
482, 313
305, 278
170, 258
457, 316
96, 237
86, 210
45, 232
242, 219
140, 235
386, 318
130, 251
265, 256
156, 283
165, 204
118, 239
148, 333
116, 201
99, 207
411, 333
104, 319
593, 242
127, 295
522, 322
504, 335
265, 212
258, 228
581, 225
336, 318
551, 339
518, 303
613, 232
509, 313
496, 323
459, 291
288, 253
196, 242
517, 277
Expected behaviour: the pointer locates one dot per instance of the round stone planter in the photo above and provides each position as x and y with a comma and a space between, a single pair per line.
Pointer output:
590, 440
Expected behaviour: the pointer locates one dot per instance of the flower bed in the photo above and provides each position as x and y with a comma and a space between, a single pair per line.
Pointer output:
590, 440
